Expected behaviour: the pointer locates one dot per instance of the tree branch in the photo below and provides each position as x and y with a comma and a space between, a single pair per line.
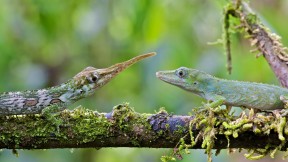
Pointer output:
123, 127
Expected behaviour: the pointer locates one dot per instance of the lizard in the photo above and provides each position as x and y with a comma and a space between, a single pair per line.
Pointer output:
55, 99
219, 91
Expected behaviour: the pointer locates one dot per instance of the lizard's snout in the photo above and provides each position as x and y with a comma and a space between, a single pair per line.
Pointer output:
159, 74
169, 77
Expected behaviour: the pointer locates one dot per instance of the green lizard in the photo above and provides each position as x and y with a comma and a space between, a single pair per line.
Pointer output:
227, 92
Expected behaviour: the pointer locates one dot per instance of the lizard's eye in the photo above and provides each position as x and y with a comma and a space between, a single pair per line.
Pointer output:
93, 78
180, 73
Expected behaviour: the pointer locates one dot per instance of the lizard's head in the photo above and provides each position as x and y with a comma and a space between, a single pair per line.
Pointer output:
90, 79
188, 79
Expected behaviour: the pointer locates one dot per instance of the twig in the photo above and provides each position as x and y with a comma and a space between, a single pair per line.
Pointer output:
268, 43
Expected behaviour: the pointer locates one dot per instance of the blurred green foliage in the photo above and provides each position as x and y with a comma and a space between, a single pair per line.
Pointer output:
44, 43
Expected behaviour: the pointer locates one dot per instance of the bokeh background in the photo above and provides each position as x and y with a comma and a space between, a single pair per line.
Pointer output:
44, 43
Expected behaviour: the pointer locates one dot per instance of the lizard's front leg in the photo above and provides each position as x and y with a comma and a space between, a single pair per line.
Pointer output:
217, 100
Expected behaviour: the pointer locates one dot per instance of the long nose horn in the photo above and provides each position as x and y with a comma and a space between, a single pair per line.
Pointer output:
117, 68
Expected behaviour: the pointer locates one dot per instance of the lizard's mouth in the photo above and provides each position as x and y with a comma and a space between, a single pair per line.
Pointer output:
168, 77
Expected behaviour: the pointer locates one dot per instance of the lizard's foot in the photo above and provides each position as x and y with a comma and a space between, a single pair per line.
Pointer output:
49, 114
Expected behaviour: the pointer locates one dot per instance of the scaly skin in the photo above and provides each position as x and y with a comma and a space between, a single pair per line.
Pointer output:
226, 92
80, 86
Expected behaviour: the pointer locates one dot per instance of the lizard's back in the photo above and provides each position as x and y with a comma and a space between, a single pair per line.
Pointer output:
249, 94
27, 102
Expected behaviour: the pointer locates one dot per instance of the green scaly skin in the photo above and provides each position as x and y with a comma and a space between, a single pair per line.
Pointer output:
227, 92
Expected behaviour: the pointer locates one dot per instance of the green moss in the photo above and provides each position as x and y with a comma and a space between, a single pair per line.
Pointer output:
179, 130
37, 126
247, 126
252, 19
235, 134
212, 121
228, 133
160, 132
167, 158
236, 124
281, 127
89, 125
207, 127
251, 157
286, 130
167, 126
257, 131
128, 121
135, 142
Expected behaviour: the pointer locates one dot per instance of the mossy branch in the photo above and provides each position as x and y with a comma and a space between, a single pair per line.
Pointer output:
268, 43
123, 127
